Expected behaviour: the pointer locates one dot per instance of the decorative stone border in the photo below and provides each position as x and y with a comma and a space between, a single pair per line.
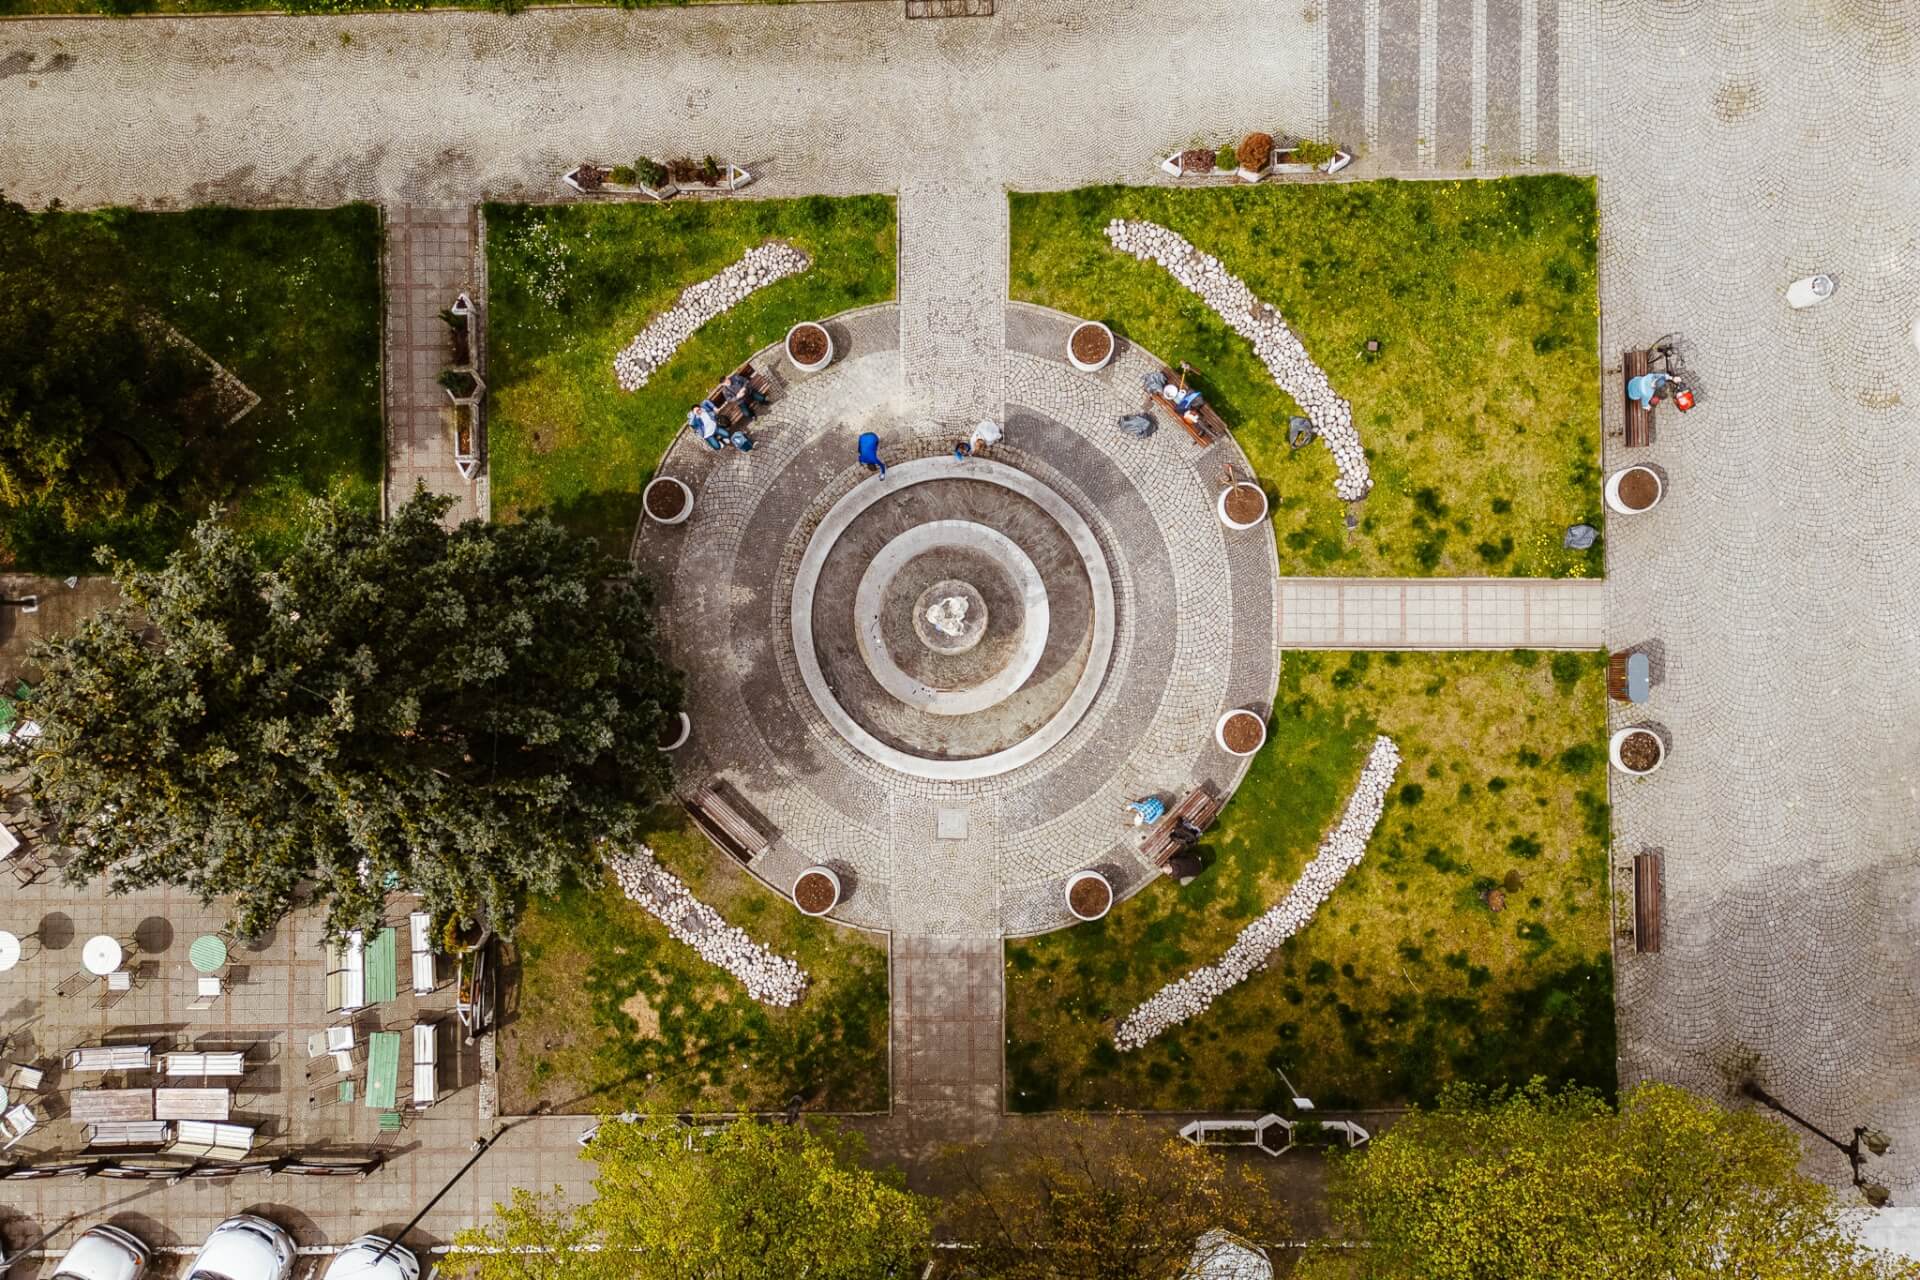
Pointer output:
1339, 853
1261, 324
769, 977
700, 302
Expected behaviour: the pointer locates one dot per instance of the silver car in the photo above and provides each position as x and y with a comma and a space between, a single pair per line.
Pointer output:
361, 1260
246, 1247
103, 1253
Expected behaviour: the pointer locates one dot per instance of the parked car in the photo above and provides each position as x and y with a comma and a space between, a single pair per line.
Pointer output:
245, 1247
103, 1253
361, 1260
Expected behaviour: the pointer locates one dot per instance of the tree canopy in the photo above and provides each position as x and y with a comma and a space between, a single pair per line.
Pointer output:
1112, 1198
752, 1201
462, 713
1524, 1184
97, 409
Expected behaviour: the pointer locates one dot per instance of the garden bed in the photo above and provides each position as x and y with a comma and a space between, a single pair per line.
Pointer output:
607, 1012
570, 285
1480, 409
1405, 979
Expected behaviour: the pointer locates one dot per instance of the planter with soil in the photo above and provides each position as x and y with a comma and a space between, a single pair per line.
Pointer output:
1089, 895
816, 891
1090, 347
1637, 750
599, 180
678, 730
459, 318
667, 500
1633, 490
1242, 505
1255, 154
1194, 162
1240, 732
463, 386
466, 439
809, 347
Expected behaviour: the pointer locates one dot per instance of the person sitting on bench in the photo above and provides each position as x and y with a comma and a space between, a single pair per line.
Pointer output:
702, 419
742, 394
1147, 810
1184, 866
1647, 387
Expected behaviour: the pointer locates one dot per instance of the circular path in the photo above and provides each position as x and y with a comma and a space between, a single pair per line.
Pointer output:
947, 682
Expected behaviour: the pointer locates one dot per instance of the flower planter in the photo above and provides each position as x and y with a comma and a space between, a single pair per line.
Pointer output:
816, 890
1242, 505
1637, 750
591, 180
1194, 162
475, 388
1633, 490
1089, 895
667, 500
460, 324
678, 731
1240, 732
1090, 347
466, 439
809, 347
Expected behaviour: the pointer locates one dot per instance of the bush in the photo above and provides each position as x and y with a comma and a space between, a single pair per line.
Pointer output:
710, 171
1309, 152
651, 173
589, 177
622, 174
682, 169
1225, 158
1255, 150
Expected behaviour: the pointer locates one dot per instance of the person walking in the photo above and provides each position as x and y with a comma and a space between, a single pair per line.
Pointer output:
870, 453
985, 432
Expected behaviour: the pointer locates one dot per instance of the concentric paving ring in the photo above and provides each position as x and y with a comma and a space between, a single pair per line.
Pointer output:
921, 470
917, 541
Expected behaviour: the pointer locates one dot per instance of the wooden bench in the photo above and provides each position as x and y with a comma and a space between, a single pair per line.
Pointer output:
1198, 810
426, 1064
420, 935
729, 415
214, 1140
129, 1133
192, 1104
1639, 420
725, 825
1646, 901
89, 1106
111, 1057
204, 1065
1209, 428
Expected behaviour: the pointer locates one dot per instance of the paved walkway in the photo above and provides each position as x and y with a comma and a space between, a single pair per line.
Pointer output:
430, 260
1442, 613
948, 1039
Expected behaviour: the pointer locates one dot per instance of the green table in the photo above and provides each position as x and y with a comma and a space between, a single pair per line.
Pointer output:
383, 973
207, 953
383, 1069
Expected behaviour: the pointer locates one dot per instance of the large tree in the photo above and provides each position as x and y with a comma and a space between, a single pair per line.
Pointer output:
98, 409
1526, 1184
462, 713
1103, 1198
752, 1201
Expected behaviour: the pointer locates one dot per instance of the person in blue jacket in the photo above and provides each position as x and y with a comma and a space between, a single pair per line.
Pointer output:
870, 453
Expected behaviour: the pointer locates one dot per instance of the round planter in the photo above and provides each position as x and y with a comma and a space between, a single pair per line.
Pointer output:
1220, 732
1093, 893
1629, 485
1093, 336
826, 341
661, 491
680, 736
808, 893
1238, 512
1619, 741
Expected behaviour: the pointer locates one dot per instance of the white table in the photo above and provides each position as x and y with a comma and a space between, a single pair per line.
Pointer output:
101, 955
9, 951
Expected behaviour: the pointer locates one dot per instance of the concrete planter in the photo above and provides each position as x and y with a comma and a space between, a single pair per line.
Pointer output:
1244, 486
1093, 366
1619, 740
1101, 890
661, 486
684, 732
605, 188
806, 885
1616, 503
466, 439
816, 365
1220, 731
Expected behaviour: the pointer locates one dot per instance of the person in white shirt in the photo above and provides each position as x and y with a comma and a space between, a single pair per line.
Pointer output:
986, 432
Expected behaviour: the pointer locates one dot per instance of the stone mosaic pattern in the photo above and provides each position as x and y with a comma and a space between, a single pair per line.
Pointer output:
700, 302
769, 977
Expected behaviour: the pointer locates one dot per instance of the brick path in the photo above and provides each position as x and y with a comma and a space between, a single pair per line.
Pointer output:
1442, 613
430, 259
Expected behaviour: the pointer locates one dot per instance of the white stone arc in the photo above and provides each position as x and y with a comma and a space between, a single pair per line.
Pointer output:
919, 471
917, 541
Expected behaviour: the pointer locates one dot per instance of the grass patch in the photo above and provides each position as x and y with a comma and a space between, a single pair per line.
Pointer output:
1480, 413
613, 1013
289, 301
1406, 979
570, 285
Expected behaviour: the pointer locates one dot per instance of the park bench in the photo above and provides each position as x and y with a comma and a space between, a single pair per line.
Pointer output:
1639, 420
204, 1065
426, 1064
1200, 807
725, 825
1209, 428
213, 1139
729, 415
420, 936
129, 1133
111, 1057
1628, 676
1646, 901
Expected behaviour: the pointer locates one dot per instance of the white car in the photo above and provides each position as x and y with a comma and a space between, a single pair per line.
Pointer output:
357, 1261
103, 1253
246, 1247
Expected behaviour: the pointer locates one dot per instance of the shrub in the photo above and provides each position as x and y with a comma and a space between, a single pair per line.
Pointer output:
623, 174
1255, 150
457, 381
651, 173
710, 171
589, 177
1307, 151
1225, 158
682, 169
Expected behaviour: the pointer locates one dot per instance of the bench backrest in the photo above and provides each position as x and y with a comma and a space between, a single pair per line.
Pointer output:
204, 1064
213, 1138
116, 1057
128, 1133
420, 935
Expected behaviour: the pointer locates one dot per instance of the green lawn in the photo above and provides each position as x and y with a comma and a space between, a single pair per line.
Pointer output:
570, 285
1407, 978
289, 301
610, 1012
1480, 413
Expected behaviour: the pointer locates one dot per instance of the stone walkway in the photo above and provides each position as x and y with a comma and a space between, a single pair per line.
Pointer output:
1442, 613
430, 260
948, 1038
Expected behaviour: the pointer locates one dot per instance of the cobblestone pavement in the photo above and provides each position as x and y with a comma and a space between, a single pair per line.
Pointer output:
1441, 613
430, 260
